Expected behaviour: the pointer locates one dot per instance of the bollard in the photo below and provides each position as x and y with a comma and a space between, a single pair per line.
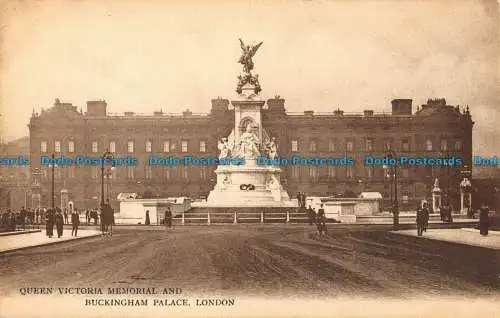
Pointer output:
261, 217
208, 218
182, 221
235, 219
287, 216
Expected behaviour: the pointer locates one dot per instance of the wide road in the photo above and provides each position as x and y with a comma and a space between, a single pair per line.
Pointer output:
258, 260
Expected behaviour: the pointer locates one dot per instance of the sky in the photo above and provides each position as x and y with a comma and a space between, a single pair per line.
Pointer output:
143, 56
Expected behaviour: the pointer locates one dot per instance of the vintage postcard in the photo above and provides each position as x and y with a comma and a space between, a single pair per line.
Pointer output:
302, 158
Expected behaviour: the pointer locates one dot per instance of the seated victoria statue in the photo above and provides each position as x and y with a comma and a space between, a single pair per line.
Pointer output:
248, 144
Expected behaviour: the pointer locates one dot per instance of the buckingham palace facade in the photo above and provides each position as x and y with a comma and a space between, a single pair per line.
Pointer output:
434, 130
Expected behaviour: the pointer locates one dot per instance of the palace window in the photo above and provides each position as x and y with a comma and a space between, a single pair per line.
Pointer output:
184, 146
148, 146
58, 172
185, 173
95, 147
113, 174
149, 173
71, 172
130, 172
202, 146
43, 146
203, 173
405, 145
57, 146
112, 146
130, 146
295, 172
312, 146
166, 146
349, 146
71, 146
331, 146
444, 144
349, 172
332, 171
369, 172
94, 173
405, 172
168, 173
428, 145
387, 145
43, 171
458, 145
368, 144
313, 172
295, 145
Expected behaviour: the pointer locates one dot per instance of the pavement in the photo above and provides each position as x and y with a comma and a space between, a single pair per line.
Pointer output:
465, 236
10, 243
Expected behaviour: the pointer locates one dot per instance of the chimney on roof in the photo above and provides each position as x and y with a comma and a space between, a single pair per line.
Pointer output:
338, 112
96, 108
276, 103
368, 113
187, 113
401, 106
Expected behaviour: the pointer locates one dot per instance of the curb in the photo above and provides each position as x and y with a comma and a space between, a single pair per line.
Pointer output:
20, 232
48, 243
462, 244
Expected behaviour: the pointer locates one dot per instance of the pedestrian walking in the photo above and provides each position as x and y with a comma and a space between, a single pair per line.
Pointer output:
37, 214
59, 223
49, 222
66, 216
75, 222
168, 217
147, 222
299, 199
420, 220
311, 215
484, 220
426, 212
320, 220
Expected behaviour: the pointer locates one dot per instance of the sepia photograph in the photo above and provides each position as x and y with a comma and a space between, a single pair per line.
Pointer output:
249, 158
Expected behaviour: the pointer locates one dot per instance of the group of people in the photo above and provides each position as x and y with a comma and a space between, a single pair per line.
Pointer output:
315, 217
55, 217
422, 218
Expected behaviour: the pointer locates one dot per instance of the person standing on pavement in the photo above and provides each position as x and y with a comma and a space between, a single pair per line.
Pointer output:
321, 220
311, 215
147, 222
59, 223
50, 220
484, 220
426, 212
168, 217
420, 220
75, 222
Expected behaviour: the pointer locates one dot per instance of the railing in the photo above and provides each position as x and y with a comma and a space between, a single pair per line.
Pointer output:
240, 217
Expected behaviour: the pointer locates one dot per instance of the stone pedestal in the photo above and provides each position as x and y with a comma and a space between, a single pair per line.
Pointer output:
436, 199
465, 195
64, 199
465, 201
248, 185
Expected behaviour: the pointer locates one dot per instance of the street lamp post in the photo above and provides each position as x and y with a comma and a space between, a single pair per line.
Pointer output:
107, 155
53, 165
394, 182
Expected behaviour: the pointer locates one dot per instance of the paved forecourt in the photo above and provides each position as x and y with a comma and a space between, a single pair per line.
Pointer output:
10, 243
465, 236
